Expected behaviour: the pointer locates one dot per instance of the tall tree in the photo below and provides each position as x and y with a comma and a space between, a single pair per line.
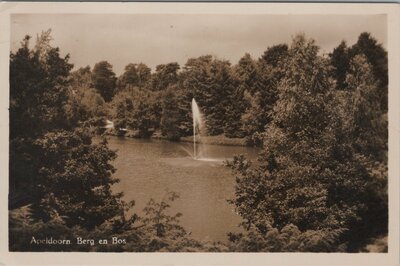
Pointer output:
38, 94
128, 78
82, 78
275, 54
146, 114
165, 76
377, 57
294, 139
135, 75
262, 92
340, 60
247, 73
361, 129
38, 89
143, 74
248, 77
137, 109
172, 116
54, 163
104, 80
85, 103
310, 175
212, 85
369, 129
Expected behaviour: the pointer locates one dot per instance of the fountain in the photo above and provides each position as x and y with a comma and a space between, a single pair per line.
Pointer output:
197, 124
199, 150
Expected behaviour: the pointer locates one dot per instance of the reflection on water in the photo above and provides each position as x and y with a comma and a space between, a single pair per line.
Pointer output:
147, 168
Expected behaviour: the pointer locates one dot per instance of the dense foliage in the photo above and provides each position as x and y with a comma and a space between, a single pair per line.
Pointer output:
60, 176
104, 80
54, 164
316, 178
156, 230
320, 183
136, 108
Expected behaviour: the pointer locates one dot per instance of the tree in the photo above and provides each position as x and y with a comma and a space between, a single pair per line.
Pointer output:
246, 72
368, 129
254, 120
75, 179
136, 109
262, 92
172, 116
364, 132
165, 76
288, 239
82, 78
122, 108
146, 115
309, 175
275, 54
104, 80
340, 60
85, 104
129, 77
55, 163
376, 56
135, 75
211, 83
143, 74
37, 88
38, 94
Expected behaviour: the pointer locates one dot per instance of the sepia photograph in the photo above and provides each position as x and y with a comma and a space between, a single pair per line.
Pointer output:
176, 132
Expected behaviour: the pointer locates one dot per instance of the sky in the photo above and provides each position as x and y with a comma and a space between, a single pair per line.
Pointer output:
156, 39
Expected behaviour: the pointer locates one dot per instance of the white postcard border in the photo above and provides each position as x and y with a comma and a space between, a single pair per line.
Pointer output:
69, 258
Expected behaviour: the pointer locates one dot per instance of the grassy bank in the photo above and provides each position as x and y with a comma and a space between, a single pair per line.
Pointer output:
212, 140
218, 140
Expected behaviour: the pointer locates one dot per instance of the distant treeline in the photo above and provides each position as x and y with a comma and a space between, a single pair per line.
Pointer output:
320, 183
237, 100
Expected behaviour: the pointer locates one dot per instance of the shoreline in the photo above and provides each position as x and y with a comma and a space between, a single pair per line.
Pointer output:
210, 140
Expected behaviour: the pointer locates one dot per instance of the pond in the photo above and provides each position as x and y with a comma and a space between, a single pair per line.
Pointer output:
147, 168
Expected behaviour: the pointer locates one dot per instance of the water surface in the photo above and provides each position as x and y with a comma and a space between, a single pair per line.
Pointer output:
147, 168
